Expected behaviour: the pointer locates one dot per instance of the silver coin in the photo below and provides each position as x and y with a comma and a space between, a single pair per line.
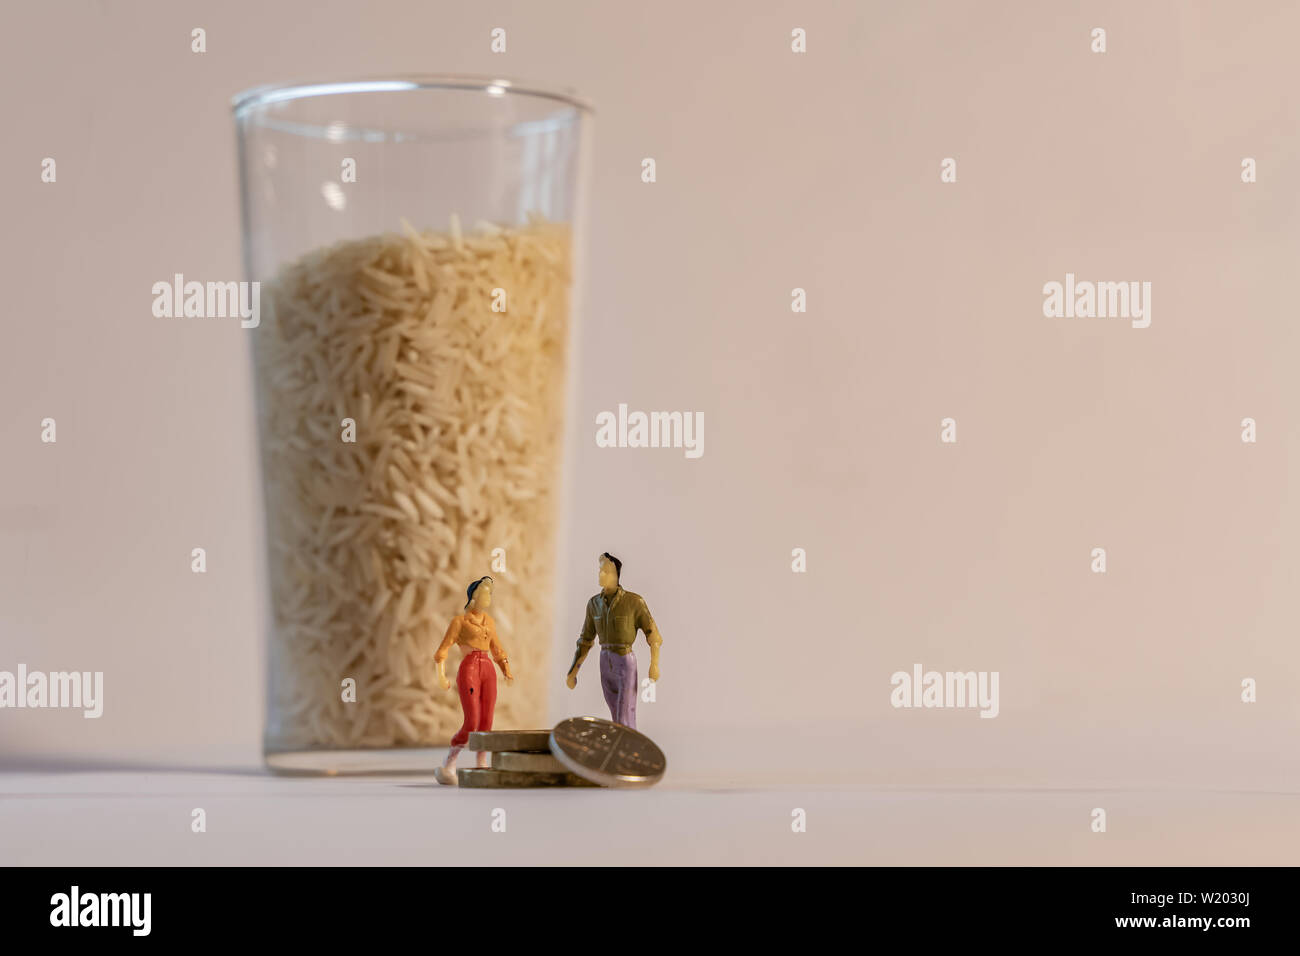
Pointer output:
536, 741
526, 762
607, 753
490, 779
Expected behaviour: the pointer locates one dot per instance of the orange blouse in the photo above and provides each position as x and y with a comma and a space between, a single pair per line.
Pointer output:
478, 633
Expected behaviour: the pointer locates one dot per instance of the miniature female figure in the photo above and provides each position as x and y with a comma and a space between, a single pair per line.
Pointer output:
477, 681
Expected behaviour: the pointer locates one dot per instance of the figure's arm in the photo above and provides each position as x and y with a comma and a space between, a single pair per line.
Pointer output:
652, 637
498, 651
584, 646
440, 655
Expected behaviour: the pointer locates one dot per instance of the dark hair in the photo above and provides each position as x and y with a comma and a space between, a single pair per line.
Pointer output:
469, 591
618, 565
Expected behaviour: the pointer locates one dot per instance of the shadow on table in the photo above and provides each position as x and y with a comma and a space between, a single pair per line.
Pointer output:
35, 763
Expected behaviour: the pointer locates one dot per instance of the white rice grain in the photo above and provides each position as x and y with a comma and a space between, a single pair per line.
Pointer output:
458, 411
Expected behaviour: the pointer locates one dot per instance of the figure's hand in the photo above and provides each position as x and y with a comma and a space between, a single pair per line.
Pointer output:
571, 681
446, 684
654, 672
510, 680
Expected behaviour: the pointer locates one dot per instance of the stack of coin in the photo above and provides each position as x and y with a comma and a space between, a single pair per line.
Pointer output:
520, 758
578, 752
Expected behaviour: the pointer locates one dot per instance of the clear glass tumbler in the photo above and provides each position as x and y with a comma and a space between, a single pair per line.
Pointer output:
414, 241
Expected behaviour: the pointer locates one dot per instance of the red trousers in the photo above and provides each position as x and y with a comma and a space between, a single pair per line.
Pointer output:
477, 681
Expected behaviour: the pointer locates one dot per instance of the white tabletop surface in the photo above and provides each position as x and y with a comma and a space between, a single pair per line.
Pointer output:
142, 816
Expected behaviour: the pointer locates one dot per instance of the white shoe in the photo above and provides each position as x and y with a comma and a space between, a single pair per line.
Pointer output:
445, 775
485, 760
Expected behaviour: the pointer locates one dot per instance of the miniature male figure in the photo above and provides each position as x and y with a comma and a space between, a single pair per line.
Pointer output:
475, 631
615, 616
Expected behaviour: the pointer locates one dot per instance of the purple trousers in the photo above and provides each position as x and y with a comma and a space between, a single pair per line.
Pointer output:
618, 681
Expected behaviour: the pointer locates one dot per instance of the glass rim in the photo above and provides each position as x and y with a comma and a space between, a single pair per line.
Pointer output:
403, 82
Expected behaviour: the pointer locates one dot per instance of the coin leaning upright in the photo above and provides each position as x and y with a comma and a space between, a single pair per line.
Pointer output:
607, 753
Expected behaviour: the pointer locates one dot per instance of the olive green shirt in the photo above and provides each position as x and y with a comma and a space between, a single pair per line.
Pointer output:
615, 621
